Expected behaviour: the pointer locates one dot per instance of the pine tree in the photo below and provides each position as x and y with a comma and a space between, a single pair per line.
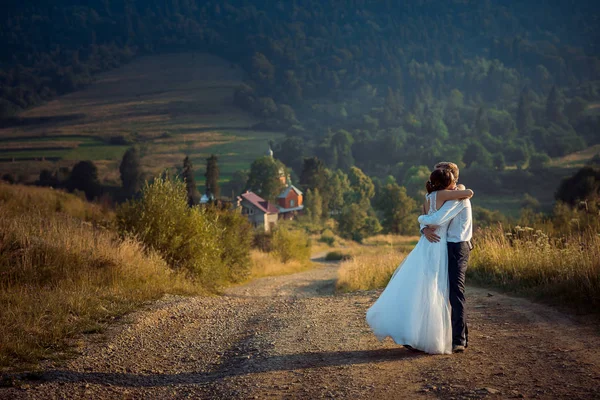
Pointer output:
84, 177
131, 172
481, 123
524, 114
212, 176
554, 106
190, 182
313, 205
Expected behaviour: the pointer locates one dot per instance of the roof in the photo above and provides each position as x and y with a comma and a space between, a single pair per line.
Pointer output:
260, 203
284, 194
286, 210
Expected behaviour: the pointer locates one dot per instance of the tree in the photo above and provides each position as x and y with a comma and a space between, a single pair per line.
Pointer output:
9, 178
538, 161
516, 155
481, 124
398, 210
554, 104
337, 185
455, 99
84, 177
584, 185
362, 189
238, 182
313, 204
524, 113
265, 177
414, 180
291, 153
131, 172
498, 161
212, 176
313, 174
262, 68
475, 152
287, 116
341, 146
47, 178
575, 108
193, 195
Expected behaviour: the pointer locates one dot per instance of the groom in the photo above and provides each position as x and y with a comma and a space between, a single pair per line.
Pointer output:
460, 232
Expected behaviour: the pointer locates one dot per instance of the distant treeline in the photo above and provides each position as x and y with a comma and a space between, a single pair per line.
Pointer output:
384, 85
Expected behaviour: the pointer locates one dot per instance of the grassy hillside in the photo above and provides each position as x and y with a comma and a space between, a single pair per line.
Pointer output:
62, 272
170, 105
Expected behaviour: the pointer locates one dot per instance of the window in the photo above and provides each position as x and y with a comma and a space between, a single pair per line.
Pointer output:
291, 203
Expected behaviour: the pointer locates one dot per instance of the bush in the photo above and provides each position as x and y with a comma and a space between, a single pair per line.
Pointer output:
330, 240
337, 256
61, 277
187, 238
291, 245
262, 241
236, 240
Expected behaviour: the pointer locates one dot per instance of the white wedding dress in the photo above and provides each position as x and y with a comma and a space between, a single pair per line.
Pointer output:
414, 308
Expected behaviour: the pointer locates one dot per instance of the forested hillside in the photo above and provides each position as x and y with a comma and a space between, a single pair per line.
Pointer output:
384, 85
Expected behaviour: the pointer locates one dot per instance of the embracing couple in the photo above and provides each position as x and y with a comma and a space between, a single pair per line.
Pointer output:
423, 305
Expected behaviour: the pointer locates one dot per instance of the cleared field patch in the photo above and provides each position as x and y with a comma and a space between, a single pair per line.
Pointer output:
577, 159
171, 106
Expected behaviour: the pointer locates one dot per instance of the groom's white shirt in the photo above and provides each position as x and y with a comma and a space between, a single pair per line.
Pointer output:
458, 212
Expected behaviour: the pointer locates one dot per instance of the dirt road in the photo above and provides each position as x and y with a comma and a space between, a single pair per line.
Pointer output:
292, 337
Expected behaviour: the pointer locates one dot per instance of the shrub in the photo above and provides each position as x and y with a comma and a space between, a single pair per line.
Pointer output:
337, 256
236, 239
290, 244
262, 241
330, 240
61, 276
187, 238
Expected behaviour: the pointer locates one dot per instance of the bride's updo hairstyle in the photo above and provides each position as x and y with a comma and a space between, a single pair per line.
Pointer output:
439, 179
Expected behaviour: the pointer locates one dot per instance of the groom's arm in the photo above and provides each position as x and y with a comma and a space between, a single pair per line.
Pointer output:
446, 213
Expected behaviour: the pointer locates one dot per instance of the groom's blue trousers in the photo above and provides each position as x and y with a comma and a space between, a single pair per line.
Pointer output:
458, 258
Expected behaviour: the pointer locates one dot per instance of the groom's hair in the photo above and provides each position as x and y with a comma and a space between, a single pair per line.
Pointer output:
448, 166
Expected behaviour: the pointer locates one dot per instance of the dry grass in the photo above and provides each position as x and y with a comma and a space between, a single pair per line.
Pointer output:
369, 268
405, 243
19, 199
60, 276
269, 264
173, 105
564, 270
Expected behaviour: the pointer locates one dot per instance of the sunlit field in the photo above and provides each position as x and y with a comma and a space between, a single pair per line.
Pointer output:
562, 270
371, 265
169, 105
63, 273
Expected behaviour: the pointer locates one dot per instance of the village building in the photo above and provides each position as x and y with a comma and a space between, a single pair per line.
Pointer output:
290, 202
260, 212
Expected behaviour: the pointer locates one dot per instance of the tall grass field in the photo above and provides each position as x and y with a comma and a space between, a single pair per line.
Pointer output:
62, 273
563, 270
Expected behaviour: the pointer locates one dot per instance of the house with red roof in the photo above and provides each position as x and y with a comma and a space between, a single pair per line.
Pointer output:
290, 202
259, 211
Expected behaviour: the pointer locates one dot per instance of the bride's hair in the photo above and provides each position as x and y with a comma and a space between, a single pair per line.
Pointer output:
439, 179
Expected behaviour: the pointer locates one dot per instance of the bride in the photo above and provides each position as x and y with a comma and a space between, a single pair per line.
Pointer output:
414, 308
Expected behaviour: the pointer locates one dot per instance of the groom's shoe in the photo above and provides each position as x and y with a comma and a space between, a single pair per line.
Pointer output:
458, 348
